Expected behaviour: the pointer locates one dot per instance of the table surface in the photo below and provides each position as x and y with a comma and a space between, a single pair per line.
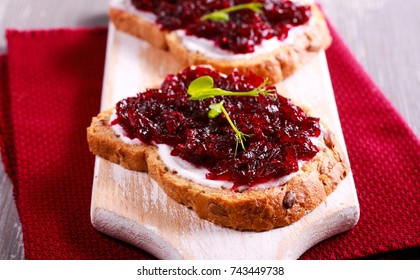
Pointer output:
379, 33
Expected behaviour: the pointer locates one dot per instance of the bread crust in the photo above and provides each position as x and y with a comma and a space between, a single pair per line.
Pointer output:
103, 142
138, 27
254, 210
276, 65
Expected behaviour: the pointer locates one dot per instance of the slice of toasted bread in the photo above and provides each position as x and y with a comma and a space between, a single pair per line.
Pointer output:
276, 65
252, 209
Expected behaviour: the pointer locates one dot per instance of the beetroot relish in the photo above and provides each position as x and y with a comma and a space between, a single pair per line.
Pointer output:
280, 130
244, 30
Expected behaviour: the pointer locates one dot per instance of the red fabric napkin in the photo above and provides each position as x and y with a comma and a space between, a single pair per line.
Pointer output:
53, 89
55, 80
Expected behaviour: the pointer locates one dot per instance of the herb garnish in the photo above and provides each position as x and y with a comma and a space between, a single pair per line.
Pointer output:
223, 15
202, 88
215, 110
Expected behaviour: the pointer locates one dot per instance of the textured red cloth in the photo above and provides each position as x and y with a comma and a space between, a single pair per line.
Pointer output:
55, 80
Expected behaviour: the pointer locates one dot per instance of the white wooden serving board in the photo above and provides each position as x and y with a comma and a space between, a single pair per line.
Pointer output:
130, 206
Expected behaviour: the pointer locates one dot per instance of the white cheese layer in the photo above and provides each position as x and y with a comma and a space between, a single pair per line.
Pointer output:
198, 174
207, 47
121, 133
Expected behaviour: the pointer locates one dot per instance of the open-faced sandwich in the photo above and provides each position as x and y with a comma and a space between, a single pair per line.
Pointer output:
272, 38
228, 146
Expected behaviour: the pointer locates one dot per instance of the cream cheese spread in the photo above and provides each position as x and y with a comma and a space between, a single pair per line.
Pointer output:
120, 132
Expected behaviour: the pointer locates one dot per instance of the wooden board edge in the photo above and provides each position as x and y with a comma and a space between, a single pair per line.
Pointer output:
126, 230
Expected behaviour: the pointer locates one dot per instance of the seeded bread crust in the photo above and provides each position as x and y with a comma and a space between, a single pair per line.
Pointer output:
254, 210
276, 65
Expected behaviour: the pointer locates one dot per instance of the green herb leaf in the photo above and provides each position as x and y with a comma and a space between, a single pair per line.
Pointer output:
202, 88
201, 83
216, 16
215, 110
223, 15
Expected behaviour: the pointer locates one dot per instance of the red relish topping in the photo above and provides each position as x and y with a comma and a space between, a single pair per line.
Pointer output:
280, 131
241, 33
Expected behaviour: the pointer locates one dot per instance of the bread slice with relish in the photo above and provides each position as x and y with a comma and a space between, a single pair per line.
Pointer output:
255, 207
275, 61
